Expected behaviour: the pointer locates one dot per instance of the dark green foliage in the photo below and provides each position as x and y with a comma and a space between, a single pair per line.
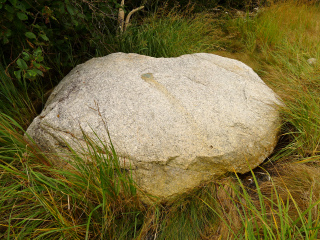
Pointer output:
47, 27
41, 41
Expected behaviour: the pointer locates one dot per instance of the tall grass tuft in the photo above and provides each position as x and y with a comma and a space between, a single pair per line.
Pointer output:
278, 207
170, 34
15, 100
83, 201
282, 38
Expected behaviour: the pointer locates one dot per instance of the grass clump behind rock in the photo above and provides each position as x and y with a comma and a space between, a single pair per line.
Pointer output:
168, 33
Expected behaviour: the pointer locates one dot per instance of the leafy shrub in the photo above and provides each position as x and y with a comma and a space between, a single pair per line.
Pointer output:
32, 31
38, 36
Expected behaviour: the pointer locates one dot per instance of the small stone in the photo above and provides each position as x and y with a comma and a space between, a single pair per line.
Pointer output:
312, 61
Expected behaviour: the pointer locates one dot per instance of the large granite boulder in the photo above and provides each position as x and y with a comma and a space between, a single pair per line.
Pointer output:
175, 121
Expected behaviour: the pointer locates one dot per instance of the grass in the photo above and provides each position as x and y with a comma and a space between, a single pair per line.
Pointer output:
282, 39
278, 200
14, 99
169, 34
83, 202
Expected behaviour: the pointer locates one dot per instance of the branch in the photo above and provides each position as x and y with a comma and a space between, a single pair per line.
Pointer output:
129, 15
121, 16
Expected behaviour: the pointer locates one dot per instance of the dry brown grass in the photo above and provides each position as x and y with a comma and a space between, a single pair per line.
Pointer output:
295, 186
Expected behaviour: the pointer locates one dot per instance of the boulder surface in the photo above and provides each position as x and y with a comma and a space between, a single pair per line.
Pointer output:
174, 122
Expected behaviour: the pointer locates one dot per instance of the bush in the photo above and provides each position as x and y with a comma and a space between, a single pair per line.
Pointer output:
38, 36
46, 27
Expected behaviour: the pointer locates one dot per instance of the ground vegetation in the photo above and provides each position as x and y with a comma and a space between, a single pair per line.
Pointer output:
43, 40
